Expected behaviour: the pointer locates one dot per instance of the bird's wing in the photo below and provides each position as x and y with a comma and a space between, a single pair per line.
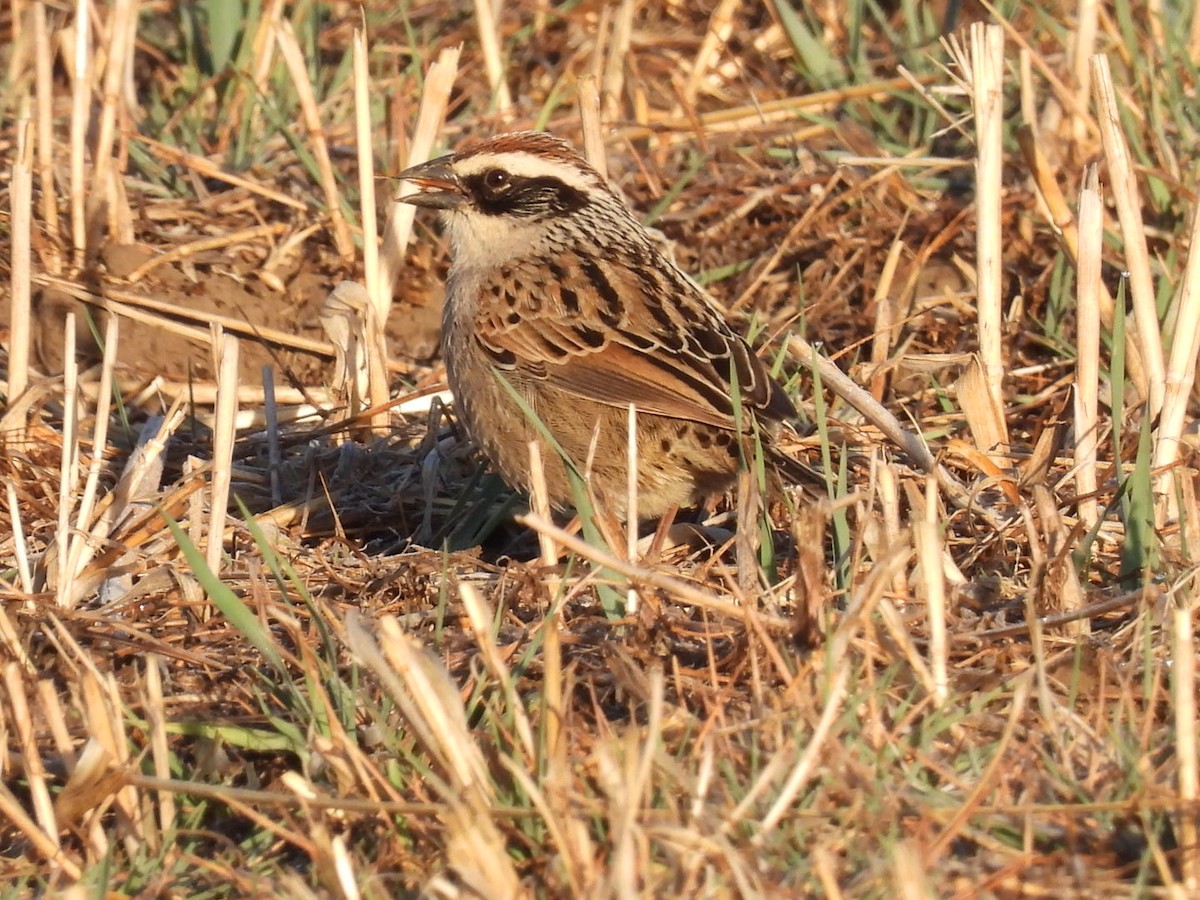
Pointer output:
626, 331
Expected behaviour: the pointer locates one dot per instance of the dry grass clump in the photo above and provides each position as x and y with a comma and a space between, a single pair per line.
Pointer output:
966, 669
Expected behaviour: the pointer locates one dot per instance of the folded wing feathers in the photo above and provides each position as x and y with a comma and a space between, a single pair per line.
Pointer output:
655, 359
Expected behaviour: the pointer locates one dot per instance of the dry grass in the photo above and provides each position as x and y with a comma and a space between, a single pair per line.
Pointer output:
970, 673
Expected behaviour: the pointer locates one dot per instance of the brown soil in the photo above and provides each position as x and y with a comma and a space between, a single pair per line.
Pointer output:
227, 284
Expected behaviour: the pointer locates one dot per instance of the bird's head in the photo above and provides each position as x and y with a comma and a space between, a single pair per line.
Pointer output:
511, 193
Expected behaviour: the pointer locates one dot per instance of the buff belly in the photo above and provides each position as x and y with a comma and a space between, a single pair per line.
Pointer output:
679, 463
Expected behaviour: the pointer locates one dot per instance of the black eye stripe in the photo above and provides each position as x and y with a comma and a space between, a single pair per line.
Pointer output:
524, 196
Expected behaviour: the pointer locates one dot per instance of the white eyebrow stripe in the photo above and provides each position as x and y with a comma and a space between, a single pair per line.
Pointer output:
526, 165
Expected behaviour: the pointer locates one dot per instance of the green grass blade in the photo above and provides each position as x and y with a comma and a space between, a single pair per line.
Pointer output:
231, 607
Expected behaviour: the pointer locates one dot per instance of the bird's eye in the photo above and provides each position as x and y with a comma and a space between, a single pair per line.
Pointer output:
496, 180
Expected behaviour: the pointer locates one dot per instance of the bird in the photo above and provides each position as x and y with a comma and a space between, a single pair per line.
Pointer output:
558, 295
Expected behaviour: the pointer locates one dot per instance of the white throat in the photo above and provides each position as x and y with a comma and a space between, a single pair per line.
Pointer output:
481, 242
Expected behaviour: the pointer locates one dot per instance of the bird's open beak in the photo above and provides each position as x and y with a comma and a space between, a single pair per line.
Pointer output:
440, 187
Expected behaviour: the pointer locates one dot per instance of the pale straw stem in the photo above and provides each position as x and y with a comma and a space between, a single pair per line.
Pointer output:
987, 94
293, 57
1183, 688
552, 673
720, 26
618, 48
480, 615
226, 349
593, 133
206, 168
808, 762
83, 547
20, 197
69, 466
1129, 211
1083, 46
44, 88
1181, 372
845, 387
156, 719
1087, 363
1194, 34
1063, 221
439, 81
887, 481
928, 541
31, 758
366, 175
114, 71
20, 550
883, 332
80, 113
489, 45
379, 292
13, 643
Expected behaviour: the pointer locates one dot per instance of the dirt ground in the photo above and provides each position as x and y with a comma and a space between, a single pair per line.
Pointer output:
225, 284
